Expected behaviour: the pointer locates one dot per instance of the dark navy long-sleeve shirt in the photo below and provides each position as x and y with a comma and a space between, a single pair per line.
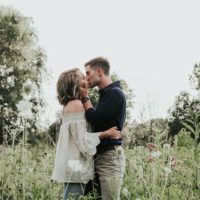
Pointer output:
109, 112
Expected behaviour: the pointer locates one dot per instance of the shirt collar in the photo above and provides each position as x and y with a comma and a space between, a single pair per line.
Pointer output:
107, 88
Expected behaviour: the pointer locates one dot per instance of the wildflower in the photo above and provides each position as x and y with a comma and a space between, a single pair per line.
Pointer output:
150, 159
27, 83
156, 154
166, 145
151, 146
24, 107
125, 192
173, 162
166, 148
5, 111
11, 80
4, 70
75, 165
167, 170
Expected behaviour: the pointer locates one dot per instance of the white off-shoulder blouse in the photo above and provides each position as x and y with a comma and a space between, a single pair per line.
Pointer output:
75, 149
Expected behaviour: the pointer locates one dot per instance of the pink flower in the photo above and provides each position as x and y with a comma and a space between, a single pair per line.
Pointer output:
173, 162
150, 159
151, 146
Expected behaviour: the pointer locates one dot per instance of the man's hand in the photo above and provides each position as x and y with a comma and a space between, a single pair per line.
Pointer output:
84, 90
112, 133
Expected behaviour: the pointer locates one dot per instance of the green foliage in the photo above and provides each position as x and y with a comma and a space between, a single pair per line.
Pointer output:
25, 173
193, 124
142, 133
194, 128
195, 77
160, 172
185, 140
94, 96
21, 69
53, 131
180, 113
128, 94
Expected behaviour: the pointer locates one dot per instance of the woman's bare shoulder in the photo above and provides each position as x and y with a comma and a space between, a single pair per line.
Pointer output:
73, 106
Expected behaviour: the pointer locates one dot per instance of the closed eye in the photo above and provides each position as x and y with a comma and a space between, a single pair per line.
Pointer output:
87, 73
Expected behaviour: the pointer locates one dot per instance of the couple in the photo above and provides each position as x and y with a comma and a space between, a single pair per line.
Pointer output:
81, 151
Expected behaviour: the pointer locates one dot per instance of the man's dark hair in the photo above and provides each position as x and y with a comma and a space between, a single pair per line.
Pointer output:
99, 62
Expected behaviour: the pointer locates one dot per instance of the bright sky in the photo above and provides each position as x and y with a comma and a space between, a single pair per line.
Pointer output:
152, 45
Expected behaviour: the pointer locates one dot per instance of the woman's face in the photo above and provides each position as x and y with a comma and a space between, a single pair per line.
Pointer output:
82, 80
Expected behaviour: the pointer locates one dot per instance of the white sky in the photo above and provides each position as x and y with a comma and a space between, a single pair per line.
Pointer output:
152, 45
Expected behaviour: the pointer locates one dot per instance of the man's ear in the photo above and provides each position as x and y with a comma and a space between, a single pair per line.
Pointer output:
99, 71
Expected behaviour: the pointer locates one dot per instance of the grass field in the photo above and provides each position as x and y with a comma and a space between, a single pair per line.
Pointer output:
154, 172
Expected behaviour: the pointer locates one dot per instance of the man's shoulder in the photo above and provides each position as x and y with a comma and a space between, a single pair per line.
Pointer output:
117, 94
117, 90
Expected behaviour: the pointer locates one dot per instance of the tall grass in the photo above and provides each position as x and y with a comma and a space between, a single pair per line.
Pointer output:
25, 173
160, 172
155, 172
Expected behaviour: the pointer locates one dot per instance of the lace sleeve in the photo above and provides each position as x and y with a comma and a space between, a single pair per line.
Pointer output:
86, 142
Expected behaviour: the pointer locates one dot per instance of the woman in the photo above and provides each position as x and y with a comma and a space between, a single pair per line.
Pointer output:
76, 147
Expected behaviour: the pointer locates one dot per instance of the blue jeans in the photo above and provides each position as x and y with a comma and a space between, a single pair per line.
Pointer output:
73, 189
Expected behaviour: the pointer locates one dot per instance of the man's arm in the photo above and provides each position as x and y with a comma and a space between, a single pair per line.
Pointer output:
85, 99
106, 109
86, 103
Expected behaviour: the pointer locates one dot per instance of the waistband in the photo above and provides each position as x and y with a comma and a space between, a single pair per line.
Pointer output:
108, 147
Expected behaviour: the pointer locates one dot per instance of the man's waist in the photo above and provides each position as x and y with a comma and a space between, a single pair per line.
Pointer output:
109, 141
108, 147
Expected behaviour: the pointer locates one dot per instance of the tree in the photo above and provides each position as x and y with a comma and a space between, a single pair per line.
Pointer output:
185, 107
129, 96
148, 131
181, 113
195, 77
21, 71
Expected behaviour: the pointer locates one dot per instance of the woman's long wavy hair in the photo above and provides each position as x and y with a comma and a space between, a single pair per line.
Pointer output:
68, 86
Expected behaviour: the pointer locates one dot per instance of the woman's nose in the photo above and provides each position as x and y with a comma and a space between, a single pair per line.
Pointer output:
87, 82
87, 78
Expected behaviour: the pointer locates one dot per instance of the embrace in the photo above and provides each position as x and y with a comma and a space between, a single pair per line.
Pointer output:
89, 153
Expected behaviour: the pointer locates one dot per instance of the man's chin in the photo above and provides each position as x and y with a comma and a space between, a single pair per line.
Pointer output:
90, 86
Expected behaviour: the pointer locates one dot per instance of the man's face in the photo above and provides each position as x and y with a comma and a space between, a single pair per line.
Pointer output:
92, 76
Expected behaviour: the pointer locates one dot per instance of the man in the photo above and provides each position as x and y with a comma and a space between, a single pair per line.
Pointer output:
110, 111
